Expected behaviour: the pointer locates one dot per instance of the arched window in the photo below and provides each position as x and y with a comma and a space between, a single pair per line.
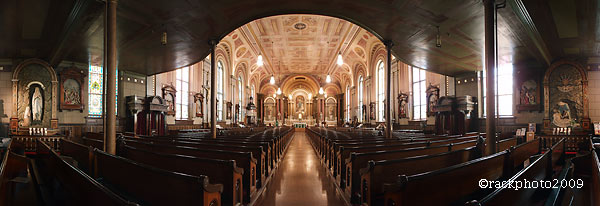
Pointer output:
360, 98
182, 86
240, 99
348, 103
419, 97
380, 90
220, 99
252, 93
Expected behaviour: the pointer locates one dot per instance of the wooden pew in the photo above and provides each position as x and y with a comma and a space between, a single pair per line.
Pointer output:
358, 161
154, 186
344, 154
267, 149
95, 143
459, 182
14, 186
451, 184
243, 160
377, 173
540, 169
82, 154
261, 160
506, 144
80, 189
220, 171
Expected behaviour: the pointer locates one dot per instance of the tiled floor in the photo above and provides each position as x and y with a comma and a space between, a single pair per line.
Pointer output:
300, 179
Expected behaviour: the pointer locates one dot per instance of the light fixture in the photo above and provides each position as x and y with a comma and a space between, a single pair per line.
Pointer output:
274, 95
290, 96
309, 96
340, 60
321, 90
259, 60
325, 95
328, 79
163, 39
279, 90
272, 81
438, 38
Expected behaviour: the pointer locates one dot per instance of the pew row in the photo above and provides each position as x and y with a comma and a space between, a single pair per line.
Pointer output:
459, 182
79, 188
221, 171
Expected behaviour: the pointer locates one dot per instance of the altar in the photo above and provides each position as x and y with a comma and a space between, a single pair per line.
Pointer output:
299, 126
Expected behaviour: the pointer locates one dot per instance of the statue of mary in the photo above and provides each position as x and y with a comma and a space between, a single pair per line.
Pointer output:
37, 104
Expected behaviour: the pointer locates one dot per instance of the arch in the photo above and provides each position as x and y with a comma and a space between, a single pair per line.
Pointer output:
359, 70
14, 120
309, 82
584, 120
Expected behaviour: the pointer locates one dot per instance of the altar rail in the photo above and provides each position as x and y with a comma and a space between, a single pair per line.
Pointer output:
30, 144
573, 143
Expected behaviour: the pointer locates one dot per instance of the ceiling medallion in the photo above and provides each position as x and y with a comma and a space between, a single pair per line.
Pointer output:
300, 26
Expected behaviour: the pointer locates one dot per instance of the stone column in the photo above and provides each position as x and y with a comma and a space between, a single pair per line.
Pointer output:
388, 90
213, 90
490, 67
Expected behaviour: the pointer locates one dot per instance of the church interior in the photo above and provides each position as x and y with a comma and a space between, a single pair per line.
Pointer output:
299, 102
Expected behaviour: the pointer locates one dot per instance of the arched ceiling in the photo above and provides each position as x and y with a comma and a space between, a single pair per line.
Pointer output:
537, 30
300, 44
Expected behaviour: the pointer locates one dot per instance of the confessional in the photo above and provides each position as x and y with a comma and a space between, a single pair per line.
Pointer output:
146, 115
453, 114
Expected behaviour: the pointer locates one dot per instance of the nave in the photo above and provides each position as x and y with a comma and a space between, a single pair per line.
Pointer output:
301, 179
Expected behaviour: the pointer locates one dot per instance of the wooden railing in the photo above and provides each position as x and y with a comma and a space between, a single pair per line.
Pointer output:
29, 142
573, 143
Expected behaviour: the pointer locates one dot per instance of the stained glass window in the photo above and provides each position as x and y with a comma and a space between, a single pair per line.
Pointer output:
95, 90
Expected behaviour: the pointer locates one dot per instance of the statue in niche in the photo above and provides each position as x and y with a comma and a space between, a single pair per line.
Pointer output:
37, 105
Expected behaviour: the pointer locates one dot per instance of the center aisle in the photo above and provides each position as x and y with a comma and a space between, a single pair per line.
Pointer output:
300, 179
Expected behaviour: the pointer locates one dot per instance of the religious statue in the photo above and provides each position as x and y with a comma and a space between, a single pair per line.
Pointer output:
433, 94
562, 115
37, 105
402, 99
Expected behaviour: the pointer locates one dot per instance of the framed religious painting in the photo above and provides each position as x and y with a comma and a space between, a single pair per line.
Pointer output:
433, 94
199, 104
372, 107
168, 94
529, 83
71, 89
